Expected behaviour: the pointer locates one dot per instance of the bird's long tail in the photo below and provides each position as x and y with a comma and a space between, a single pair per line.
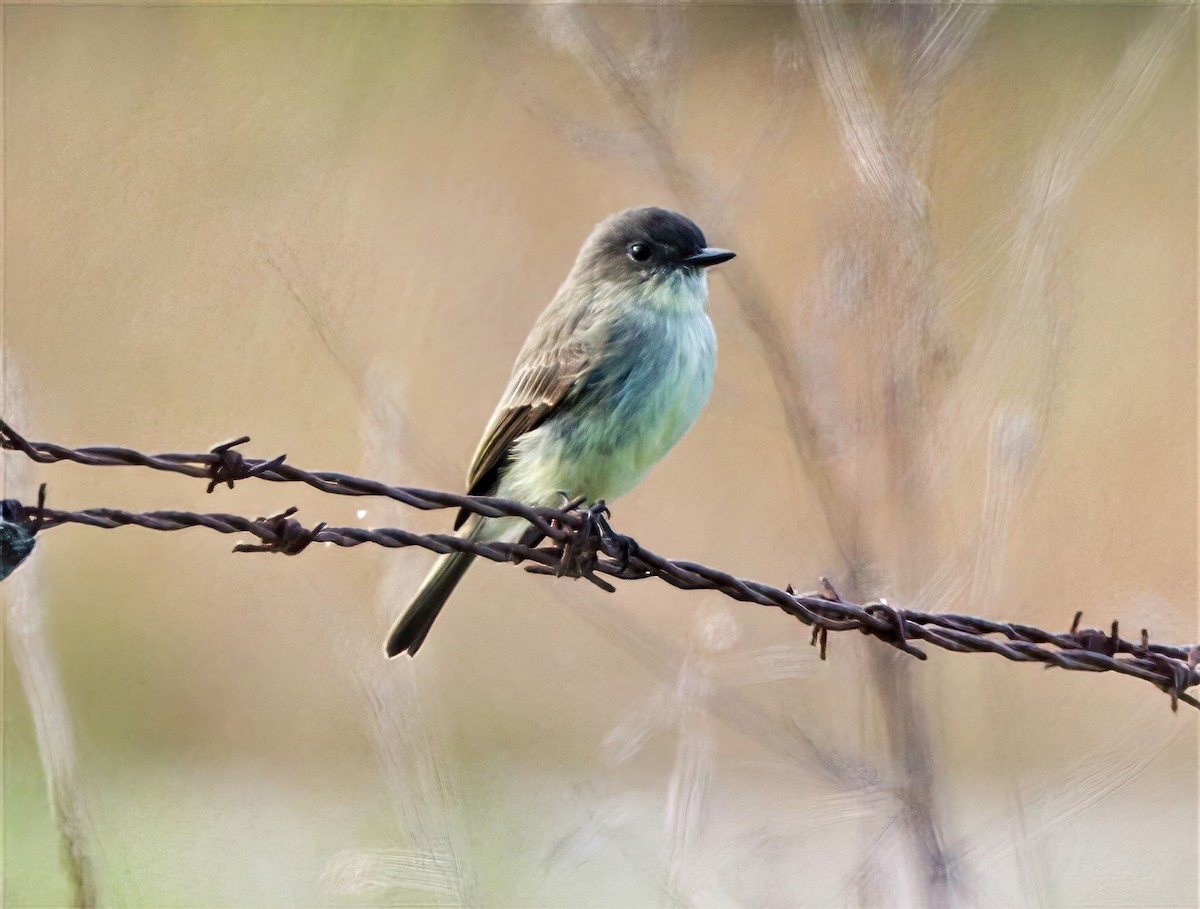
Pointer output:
414, 623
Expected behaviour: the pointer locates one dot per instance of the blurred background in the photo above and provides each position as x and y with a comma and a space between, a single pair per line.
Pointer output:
957, 369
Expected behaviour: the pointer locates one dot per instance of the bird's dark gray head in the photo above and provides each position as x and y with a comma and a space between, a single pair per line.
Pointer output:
647, 242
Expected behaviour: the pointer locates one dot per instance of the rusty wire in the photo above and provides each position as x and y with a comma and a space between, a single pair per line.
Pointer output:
584, 545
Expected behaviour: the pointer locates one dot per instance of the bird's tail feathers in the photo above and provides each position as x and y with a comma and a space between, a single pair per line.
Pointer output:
414, 623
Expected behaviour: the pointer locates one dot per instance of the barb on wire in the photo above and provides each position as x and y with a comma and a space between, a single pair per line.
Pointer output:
582, 544
230, 466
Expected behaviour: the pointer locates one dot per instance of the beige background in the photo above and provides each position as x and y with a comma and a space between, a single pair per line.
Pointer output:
967, 262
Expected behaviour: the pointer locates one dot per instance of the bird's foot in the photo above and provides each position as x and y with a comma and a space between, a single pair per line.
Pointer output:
590, 536
569, 502
579, 552
623, 548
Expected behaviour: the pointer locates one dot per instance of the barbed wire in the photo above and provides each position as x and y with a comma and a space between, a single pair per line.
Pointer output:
582, 545
223, 464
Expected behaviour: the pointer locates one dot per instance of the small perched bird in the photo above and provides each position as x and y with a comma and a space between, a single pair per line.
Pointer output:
614, 372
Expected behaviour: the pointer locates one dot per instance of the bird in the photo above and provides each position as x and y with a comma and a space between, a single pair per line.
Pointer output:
614, 372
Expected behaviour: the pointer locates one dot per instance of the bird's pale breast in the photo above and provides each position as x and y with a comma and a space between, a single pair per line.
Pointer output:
645, 392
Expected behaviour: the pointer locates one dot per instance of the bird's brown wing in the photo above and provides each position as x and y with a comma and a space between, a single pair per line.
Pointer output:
556, 355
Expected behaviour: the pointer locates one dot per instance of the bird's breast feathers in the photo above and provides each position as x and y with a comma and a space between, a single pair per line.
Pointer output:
644, 391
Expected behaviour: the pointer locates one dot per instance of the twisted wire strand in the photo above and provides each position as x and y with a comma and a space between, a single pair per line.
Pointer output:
583, 545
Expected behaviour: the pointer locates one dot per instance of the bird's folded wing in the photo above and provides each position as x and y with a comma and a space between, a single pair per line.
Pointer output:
547, 370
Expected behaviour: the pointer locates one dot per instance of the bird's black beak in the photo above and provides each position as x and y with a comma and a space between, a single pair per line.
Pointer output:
708, 256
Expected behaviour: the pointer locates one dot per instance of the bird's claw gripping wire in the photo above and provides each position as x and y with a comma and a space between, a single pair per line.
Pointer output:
580, 554
622, 548
590, 536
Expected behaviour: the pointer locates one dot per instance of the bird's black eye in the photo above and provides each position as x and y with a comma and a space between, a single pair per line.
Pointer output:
639, 252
